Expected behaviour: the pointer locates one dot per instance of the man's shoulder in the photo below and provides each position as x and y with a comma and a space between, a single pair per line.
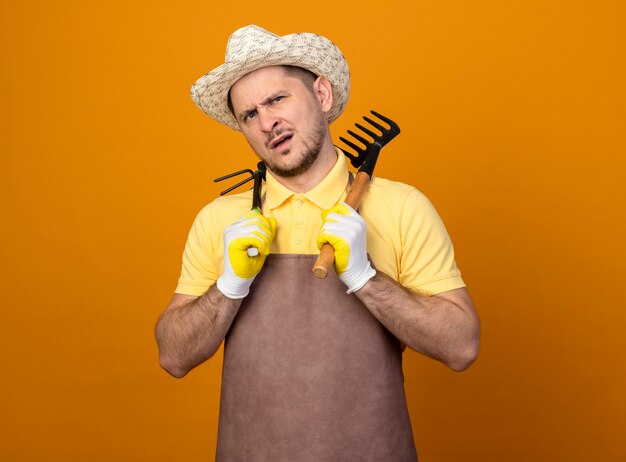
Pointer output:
226, 209
390, 185
392, 194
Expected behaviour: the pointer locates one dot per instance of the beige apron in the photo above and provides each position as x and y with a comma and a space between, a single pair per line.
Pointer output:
310, 375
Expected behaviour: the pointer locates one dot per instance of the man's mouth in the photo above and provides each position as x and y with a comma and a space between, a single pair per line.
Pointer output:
280, 141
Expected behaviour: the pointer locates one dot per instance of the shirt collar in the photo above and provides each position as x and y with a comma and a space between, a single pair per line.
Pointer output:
325, 194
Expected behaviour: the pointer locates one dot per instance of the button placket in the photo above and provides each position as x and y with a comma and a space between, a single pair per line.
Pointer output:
298, 220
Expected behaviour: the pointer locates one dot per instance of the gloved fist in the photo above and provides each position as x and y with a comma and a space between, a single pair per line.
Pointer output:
240, 269
345, 230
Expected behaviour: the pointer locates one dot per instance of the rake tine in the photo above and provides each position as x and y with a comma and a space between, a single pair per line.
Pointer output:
394, 126
356, 163
226, 191
375, 136
351, 144
357, 160
375, 124
230, 175
360, 138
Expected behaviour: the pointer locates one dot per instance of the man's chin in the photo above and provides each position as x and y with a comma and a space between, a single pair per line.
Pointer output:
290, 171
285, 172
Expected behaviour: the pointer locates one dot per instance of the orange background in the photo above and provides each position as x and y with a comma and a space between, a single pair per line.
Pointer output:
513, 119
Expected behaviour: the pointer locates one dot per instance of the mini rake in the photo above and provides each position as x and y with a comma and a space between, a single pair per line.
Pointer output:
365, 160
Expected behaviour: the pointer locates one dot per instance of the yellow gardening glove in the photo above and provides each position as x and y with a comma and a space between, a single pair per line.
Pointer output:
345, 230
240, 269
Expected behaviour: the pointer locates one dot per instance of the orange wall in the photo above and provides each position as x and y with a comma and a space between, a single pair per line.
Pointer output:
513, 117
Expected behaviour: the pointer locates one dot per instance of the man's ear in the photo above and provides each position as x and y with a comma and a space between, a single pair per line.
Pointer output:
323, 91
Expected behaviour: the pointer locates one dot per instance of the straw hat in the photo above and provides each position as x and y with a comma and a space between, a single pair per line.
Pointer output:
251, 48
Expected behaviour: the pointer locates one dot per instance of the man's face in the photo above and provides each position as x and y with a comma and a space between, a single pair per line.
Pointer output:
282, 118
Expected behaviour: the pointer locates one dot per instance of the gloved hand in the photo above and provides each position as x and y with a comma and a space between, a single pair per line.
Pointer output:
240, 269
345, 230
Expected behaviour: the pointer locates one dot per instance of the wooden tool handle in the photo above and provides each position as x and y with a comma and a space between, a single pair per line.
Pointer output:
327, 254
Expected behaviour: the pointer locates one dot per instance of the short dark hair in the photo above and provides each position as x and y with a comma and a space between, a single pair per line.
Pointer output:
304, 75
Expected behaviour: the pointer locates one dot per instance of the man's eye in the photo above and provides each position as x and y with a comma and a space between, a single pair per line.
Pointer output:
249, 116
278, 99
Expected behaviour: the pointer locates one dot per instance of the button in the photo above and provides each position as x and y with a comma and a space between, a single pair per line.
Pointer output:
299, 221
299, 203
298, 240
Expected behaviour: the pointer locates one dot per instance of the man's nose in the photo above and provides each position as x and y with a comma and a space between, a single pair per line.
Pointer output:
268, 121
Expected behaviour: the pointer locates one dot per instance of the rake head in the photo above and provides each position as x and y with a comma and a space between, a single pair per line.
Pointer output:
372, 147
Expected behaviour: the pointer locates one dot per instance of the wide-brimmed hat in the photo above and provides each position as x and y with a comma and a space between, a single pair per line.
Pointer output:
251, 48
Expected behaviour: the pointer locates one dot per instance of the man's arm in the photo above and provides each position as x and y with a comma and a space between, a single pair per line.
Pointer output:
191, 329
444, 326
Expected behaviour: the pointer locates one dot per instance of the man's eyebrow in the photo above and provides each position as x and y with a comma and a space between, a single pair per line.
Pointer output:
244, 113
273, 96
265, 102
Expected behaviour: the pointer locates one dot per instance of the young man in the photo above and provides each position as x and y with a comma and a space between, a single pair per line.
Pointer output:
312, 368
